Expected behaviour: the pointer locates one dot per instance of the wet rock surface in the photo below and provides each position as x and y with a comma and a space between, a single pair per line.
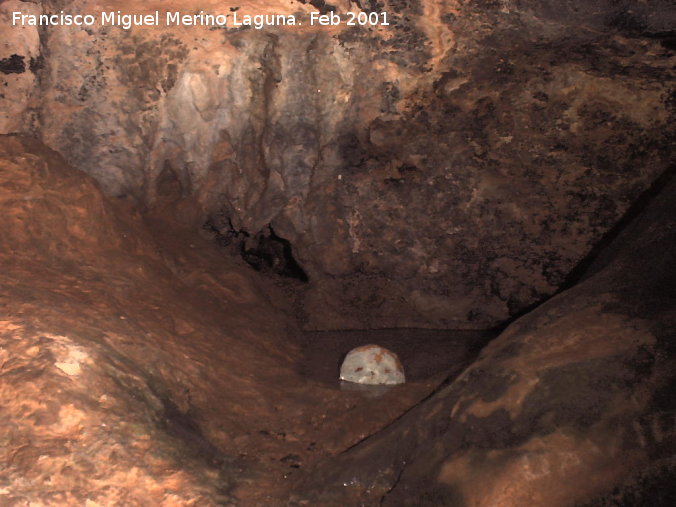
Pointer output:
101, 364
136, 370
572, 393
447, 170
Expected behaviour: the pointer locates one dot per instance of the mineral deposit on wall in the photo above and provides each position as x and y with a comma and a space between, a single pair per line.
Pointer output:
447, 169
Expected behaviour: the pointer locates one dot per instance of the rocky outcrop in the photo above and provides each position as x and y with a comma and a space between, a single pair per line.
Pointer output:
112, 354
140, 367
448, 169
570, 405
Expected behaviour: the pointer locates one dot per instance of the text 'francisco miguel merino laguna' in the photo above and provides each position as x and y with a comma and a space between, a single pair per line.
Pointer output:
258, 21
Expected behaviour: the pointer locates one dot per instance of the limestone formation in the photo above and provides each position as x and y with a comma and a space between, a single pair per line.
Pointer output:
371, 364
199, 218
448, 169
571, 405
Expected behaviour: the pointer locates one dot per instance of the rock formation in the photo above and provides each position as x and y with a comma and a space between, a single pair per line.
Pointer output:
451, 165
572, 404
446, 170
105, 338
371, 364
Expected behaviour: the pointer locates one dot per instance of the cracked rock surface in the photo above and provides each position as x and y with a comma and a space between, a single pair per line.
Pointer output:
135, 369
577, 392
447, 170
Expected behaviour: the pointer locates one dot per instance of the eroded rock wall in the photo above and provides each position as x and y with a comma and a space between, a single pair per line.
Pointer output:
447, 170
139, 367
20, 62
121, 377
570, 405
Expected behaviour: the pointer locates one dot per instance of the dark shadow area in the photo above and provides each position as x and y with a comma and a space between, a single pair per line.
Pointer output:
651, 487
264, 251
320, 5
273, 253
667, 39
424, 353
581, 270
13, 65
186, 429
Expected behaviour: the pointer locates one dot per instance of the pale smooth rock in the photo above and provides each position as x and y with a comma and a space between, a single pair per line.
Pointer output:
371, 364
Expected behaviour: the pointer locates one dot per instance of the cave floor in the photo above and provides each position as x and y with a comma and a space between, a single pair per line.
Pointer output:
337, 415
325, 416
141, 366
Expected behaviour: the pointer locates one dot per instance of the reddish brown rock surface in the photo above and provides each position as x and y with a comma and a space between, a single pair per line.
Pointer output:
448, 170
138, 367
100, 362
572, 404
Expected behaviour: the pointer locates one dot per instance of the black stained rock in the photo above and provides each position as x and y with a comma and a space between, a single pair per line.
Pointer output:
13, 65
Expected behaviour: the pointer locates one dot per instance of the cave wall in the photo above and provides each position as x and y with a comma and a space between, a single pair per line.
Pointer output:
447, 170
20, 61
127, 366
571, 405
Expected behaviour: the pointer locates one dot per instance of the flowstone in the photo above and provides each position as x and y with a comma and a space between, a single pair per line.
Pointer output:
372, 364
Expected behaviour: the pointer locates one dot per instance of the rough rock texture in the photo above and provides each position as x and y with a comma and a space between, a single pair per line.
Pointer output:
20, 62
106, 380
138, 367
449, 169
571, 404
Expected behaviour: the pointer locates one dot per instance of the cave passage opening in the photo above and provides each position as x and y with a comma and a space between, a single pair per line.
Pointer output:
264, 251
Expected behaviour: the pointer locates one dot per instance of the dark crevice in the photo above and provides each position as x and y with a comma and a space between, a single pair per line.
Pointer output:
581, 270
264, 251
270, 252
320, 5
15, 64
669, 42
36, 64
666, 39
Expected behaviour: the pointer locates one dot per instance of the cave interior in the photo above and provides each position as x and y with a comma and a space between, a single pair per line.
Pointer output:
203, 215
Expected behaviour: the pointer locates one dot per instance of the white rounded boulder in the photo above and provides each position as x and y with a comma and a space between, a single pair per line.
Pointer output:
372, 364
